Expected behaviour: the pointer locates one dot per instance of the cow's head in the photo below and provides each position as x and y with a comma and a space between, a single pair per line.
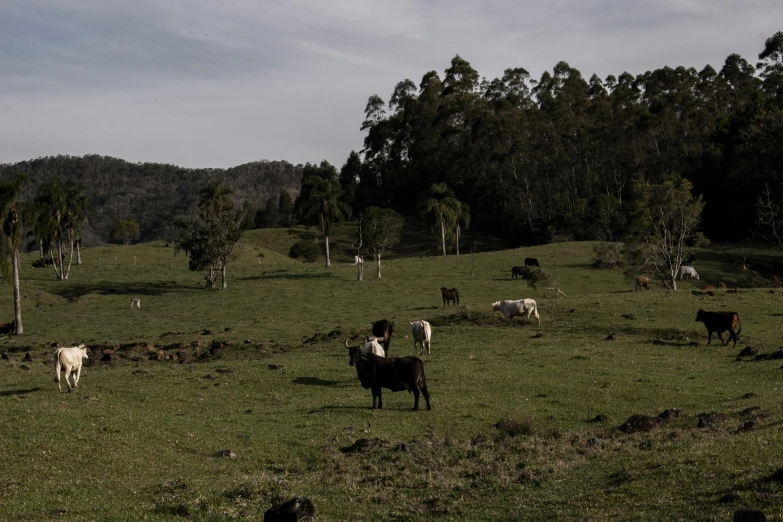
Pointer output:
444, 289
496, 306
83, 348
354, 352
700, 315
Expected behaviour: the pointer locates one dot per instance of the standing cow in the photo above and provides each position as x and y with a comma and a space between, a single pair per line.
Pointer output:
449, 295
720, 322
69, 358
422, 335
517, 271
642, 282
383, 330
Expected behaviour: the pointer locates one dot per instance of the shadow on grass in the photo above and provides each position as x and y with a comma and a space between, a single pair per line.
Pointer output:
105, 288
314, 381
288, 276
11, 393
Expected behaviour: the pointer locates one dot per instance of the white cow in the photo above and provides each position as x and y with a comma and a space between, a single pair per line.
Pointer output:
422, 335
357, 260
69, 358
689, 271
372, 345
519, 307
135, 301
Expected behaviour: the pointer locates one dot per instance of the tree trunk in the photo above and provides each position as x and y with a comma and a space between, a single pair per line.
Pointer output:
378, 258
61, 274
40, 248
223, 275
326, 241
458, 231
443, 234
70, 254
18, 329
359, 267
78, 252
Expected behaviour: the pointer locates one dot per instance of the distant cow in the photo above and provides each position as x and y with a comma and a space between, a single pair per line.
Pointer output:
642, 282
449, 294
519, 307
517, 271
383, 330
720, 322
135, 301
395, 374
689, 271
69, 358
422, 335
721, 285
531, 261
357, 260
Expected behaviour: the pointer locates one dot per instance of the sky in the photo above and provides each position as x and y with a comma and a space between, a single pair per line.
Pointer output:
218, 83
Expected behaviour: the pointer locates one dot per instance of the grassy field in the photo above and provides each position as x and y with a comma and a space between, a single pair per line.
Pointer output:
260, 369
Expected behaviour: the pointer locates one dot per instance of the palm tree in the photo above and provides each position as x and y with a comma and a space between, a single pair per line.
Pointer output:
439, 207
12, 230
321, 197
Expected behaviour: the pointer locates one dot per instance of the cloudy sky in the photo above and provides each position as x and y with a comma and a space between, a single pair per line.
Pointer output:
216, 83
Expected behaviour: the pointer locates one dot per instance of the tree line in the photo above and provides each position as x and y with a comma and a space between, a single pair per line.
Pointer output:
564, 157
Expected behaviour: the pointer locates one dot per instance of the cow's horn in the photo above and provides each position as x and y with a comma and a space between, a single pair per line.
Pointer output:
346, 343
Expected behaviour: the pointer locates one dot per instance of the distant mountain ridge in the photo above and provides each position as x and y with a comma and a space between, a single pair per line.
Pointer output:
152, 194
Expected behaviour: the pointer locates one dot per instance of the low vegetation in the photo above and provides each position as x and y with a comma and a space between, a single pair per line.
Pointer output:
614, 408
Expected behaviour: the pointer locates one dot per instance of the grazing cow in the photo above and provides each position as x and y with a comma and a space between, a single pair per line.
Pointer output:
135, 301
721, 285
519, 307
517, 271
383, 330
720, 322
531, 261
371, 345
642, 282
689, 271
422, 335
357, 260
71, 359
449, 294
395, 374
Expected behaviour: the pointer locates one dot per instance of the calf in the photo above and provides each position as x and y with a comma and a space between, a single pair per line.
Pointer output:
71, 359
422, 335
395, 374
383, 330
449, 294
371, 345
642, 282
135, 301
517, 271
531, 261
357, 260
519, 307
720, 322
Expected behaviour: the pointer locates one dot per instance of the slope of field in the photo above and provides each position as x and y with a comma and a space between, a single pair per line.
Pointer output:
260, 369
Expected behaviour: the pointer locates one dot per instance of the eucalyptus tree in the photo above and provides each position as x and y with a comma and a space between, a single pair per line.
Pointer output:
60, 212
441, 210
380, 229
12, 209
320, 199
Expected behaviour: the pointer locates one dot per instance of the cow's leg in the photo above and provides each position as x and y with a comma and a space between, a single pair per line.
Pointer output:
732, 335
423, 386
76, 379
709, 336
720, 336
380, 398
57, 378
68, 377
415, 398
428, 348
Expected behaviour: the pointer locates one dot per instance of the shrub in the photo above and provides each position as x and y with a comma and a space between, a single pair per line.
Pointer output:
306, 250
607, 255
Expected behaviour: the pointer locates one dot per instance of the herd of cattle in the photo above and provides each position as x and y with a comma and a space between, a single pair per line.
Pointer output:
376, 370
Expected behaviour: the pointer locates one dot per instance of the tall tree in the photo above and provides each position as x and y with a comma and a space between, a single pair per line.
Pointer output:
320, 199
10, 191
381, 229
441, 210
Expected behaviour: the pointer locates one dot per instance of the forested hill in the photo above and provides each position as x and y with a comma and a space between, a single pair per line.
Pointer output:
153, 194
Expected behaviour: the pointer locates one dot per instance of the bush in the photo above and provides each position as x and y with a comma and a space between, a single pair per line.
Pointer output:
306, 250
607, 255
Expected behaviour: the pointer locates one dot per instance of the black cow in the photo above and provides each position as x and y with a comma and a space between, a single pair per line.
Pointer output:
517, 271
395, 374
383, 330
531, 261
449, 294
720, 322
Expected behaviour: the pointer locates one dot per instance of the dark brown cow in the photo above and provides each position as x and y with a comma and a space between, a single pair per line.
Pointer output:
531, 261
395, 374
642, 282
720, 322
383, 331
449, 294
517, 271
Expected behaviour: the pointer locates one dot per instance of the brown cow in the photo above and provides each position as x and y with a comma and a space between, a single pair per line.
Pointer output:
720, 322
449, 295
517, 271
721, 285
642, 282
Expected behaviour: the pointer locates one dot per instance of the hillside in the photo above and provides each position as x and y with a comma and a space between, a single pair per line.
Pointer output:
152, 194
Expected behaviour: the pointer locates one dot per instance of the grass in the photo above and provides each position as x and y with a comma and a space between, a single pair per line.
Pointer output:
141, 439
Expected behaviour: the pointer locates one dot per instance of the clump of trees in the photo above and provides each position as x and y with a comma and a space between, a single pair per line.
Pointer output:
210, 237
126, 231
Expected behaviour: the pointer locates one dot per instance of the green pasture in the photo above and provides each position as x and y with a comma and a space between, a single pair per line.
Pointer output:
267, 377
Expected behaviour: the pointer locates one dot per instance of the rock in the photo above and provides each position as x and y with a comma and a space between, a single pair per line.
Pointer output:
226, 454
639, 423
749, 515
296, 509
599, 418
671, 413
748, 351
710, 419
